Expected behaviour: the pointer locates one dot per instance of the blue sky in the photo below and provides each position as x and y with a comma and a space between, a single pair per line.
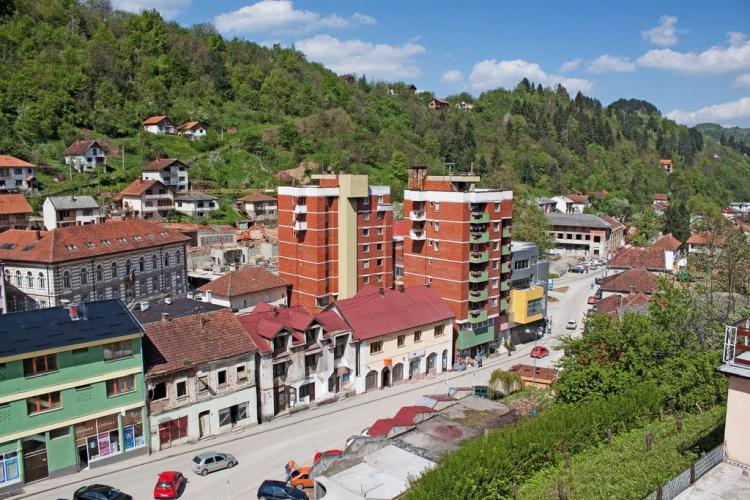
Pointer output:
691, 59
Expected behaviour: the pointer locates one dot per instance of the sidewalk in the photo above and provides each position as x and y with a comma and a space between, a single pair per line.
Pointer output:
434, 385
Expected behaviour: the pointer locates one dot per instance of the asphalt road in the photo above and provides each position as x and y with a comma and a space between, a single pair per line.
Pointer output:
263, 450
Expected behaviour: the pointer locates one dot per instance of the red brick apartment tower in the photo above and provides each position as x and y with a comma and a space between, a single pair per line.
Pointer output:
334, 238
459, 243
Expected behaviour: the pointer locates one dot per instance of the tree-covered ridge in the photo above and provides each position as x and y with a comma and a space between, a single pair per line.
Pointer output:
72, 69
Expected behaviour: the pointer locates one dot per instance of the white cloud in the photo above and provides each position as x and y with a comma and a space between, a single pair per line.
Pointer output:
726, 113
279, 17
743, 81
489, 74
610, 64
570, 65
381, 61
452, 76
714, 60
664, 34
168, 8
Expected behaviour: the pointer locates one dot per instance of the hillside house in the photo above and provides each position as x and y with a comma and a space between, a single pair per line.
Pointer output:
666, 164
242, 290
14, 211
196, 205
580, 203
258, 206
146, 199
438, 104
170, 172
192, 130
16, 174
62, 211
465, 106
160, 125
85, 155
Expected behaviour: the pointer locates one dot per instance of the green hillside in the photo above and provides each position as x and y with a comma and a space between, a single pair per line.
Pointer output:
735, 137
79, 69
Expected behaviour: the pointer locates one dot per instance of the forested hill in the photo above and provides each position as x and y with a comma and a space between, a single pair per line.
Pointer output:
72, 69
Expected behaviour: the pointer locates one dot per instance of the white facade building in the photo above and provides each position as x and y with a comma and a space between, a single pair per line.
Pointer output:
196, 205
170, 172
63, 211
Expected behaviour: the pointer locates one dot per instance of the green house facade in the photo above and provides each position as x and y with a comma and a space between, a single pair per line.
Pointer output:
71, 390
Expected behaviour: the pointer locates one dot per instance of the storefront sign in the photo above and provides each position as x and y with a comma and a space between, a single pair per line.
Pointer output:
103, 440
128, 434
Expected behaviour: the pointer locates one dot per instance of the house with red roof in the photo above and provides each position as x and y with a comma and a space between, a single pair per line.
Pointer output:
303, 359
16, 174
666, 164
632, 281
245, 288
192, 130
170, 172
159, 124
402, 335
258, 206
200, 376
146, 199
580, 202
14, 211
661, 257
85, 155
438, 104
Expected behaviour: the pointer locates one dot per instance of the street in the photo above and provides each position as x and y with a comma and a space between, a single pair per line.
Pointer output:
263, 450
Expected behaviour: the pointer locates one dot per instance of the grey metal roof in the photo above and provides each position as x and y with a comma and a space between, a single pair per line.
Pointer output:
543, 200
51, 328
73, 202
576, 220
194, 197
178, 308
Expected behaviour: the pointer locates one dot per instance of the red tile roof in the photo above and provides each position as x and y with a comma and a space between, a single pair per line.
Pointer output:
192, 340
138, 187
80, 242
578, 198
12, 161
190, 125
80, 147
611, 221
154, 120
667, 242
704, 239
665, 162
547, 375
631, 281
643, 258
372, 314
157, 165
256, 197
242, 282
660, 197
14, 204
404, 418
615, 304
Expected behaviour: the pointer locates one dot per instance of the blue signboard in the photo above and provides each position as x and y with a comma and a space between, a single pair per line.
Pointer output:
129, 437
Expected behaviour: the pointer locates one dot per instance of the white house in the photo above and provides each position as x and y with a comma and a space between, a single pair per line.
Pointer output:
16, 174
85, 156
168, 171
258, 206
192, 130
244, 289
147, 199
563, 204
196, 205
61, 211
159, 125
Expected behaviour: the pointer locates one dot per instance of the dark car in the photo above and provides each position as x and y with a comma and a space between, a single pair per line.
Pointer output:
100, 492
599, 280
577, 269
271, 489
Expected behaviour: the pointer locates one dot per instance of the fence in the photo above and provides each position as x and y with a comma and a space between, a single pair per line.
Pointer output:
683, 480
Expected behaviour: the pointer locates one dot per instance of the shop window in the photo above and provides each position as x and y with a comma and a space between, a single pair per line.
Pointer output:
225, 417
60, 432
9, 469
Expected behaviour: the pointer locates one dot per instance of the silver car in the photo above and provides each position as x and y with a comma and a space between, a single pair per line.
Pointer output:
209, 461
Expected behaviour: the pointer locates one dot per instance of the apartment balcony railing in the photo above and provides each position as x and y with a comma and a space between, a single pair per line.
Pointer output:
505, 268
417, 215
506, 249
480, 217
155, 196
479, 237
300, 209
478, 276
503, 304
477, 295
385, 207
477, 315
479, 257
300, 225
418, 234
506, 232
504, 286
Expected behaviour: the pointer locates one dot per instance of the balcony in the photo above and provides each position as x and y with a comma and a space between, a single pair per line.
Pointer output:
480, 217
506, 249
385, 207
504, 286
417, 215
418, 234
478, 276
300, 209
506, 232
477, 316
300, 225
503, 305
479, 237
479, 257
736, 348
158, 196
477, 295
505, 268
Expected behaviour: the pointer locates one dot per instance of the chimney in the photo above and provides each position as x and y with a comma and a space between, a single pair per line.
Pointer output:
165, 317
401, 288
381, 291
73, 312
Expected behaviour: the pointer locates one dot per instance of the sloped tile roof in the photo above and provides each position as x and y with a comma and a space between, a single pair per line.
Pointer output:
614, 305
578, 198
649, 258
631, 281
157, 165
251, 198
543, 374
14, 204
154, 120
667, 242
79, 147
12, 161
190, 125
140, 186
242, 282
660, 197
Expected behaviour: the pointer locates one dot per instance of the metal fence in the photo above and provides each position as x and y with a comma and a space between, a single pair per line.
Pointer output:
687, 477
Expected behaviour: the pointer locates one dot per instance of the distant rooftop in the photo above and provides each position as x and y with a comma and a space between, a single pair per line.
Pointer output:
576, 220
73, 202
178, 308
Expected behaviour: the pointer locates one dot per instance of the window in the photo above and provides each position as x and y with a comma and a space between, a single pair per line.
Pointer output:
437, 227
128, 267
365, 280
19, 280
494, 301
436, 246
417, 336
29, 279
99, 273
181, 388
141, 264
497, 207
365, 248
311, 364
118, 350
159, 391
202, 384
84, 276
535, 307
496, 245
366, 201
9, 468
366, 216
338, 351
241, 373
401, 341
154, 262
379, 247
177, 257
365, 264
495, 264
43, 402
376, 347
39, 365
437, 206
120, 385
494, 283
166, 260
379, 262
114, 270
380, 231
221, 378
365, 232
60, 432
521, 264
42, 281
439, 330
496, 226
7, 275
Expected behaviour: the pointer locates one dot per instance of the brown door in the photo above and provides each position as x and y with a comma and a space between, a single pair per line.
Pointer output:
279, 399
164, 437
35, 458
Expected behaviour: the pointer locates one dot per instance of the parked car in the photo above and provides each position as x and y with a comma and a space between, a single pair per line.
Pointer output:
577, 269
301, 478
210, 461
539, 351
592, 300
320, 454
271, 489
169, 485
599, 280
572, 325
100, 492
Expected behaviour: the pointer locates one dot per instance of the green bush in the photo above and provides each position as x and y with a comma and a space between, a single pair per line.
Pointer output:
489, 467
503, 383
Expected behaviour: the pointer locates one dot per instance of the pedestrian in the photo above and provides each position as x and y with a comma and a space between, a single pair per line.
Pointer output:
288, 470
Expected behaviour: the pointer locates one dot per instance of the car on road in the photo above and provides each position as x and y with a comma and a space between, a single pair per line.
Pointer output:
210, 461
539, 351
301, 478
572, 325
271, 489
577, 269
320, 454
100, 492
170, 484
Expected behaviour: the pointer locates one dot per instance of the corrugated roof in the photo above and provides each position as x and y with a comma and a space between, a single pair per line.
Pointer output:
576, 220
14, 204
73, 202
242, 282
178, 308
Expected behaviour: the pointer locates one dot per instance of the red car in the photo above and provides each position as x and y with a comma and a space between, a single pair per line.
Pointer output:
321, 454
539, 352
169, 485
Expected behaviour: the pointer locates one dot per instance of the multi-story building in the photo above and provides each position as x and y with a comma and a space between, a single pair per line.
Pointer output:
200, 377
170, 172
459, 244
528, 293
147, 199
85, 155
71, 390
258, 206
196, 205
334, 238
302, 358
400, 227
16, 174
129, 259
63, 211
585, 234
14, 211
402, 335
736, 366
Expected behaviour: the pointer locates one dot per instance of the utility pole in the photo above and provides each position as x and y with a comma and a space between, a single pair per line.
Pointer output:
123, 157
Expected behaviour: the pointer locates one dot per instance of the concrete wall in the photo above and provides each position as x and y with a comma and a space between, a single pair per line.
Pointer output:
736, 430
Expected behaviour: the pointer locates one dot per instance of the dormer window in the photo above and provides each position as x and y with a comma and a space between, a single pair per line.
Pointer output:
122, 239
91, 244
279, 343
71, 246
311, 336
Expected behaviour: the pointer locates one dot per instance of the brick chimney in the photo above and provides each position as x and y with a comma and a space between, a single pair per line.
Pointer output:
165, 317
